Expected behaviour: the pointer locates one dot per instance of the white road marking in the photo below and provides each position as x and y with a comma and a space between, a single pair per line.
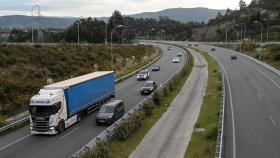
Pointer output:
272, 120
67, 134
262, 73
15, 142
231, 106
259, 96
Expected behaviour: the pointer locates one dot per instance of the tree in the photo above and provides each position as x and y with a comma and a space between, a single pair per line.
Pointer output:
115, 20
242, 5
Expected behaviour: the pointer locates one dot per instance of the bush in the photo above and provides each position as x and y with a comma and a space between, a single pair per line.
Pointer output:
128, 127
100, 151
148, 107
157, 97
2, 121
211, 132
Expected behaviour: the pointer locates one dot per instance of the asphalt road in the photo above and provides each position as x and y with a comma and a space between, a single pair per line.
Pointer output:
252, 107
20, 143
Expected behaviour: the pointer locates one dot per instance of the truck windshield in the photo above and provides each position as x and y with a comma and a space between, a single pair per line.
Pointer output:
107, 109
41, 110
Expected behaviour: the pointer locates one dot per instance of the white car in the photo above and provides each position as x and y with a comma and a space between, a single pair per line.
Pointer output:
176, 60
143, 75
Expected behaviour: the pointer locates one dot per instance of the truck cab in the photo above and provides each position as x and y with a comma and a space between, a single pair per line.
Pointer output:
47, 112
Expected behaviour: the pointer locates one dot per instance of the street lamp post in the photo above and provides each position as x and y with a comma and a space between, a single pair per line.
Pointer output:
240, 43
112, 56
260, 57
153, 29
267, 30
32, 26
106, 33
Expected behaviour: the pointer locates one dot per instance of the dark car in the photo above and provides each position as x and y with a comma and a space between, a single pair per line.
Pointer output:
148, 87
110, 112
196, 45
179, 54
233, 57
156, 68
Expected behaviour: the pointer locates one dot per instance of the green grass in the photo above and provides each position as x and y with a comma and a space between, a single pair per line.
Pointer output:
202, 144
24, 69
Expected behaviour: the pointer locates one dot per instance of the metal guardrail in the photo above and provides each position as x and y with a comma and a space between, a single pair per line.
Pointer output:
221, 129
25, 119
111, 131
9, 126
256, 61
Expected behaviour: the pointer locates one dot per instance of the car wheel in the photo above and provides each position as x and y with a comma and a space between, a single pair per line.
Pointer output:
61, 127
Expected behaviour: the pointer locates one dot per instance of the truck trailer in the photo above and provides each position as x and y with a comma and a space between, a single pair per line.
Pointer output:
60, 105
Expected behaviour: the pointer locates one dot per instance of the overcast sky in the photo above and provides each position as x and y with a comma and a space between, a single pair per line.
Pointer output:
97, 8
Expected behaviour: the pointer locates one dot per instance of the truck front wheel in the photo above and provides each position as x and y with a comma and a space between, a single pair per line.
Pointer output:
61, 127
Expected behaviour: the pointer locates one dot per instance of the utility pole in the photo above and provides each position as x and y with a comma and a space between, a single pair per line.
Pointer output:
260, 56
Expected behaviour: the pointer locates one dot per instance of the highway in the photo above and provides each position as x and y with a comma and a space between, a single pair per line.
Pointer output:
252, 124
20, 143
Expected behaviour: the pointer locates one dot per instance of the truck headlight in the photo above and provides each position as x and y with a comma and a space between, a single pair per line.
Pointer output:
52, 128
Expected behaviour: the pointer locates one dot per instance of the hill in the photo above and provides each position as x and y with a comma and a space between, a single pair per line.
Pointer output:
264, 11
178, 14
21, 21
183, 14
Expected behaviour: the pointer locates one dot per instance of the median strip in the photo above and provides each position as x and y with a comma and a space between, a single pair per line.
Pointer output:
203, 140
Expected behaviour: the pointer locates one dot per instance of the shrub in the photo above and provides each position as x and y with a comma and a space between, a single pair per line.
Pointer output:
100, 151
211, 132
148, 107
2, 121
157, 97
128, 127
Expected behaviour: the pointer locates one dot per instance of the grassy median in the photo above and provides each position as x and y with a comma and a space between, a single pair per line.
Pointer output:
118, 148
203, 141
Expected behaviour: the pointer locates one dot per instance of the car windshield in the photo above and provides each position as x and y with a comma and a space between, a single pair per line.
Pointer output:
40, 110
107, 109
142, 72
148, 84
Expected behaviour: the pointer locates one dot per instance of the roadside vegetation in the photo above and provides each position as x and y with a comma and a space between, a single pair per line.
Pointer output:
270, 53
132, 131
203, 140
24, 69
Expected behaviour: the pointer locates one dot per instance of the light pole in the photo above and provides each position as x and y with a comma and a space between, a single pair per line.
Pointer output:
112, 56
240, 44
267, 30
106, 33
162, 31
79, 30
32, 26
260, 57
153, 29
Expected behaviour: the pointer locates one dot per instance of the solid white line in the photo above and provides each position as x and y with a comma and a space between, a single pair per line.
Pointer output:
272, 120
67, 134
262, 73
232, 114
15, 142
231, 106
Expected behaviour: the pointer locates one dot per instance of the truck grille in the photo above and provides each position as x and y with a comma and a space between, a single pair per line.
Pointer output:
40, 124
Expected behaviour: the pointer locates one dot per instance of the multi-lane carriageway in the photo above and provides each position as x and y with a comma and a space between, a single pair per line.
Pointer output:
20, 143
252, 118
